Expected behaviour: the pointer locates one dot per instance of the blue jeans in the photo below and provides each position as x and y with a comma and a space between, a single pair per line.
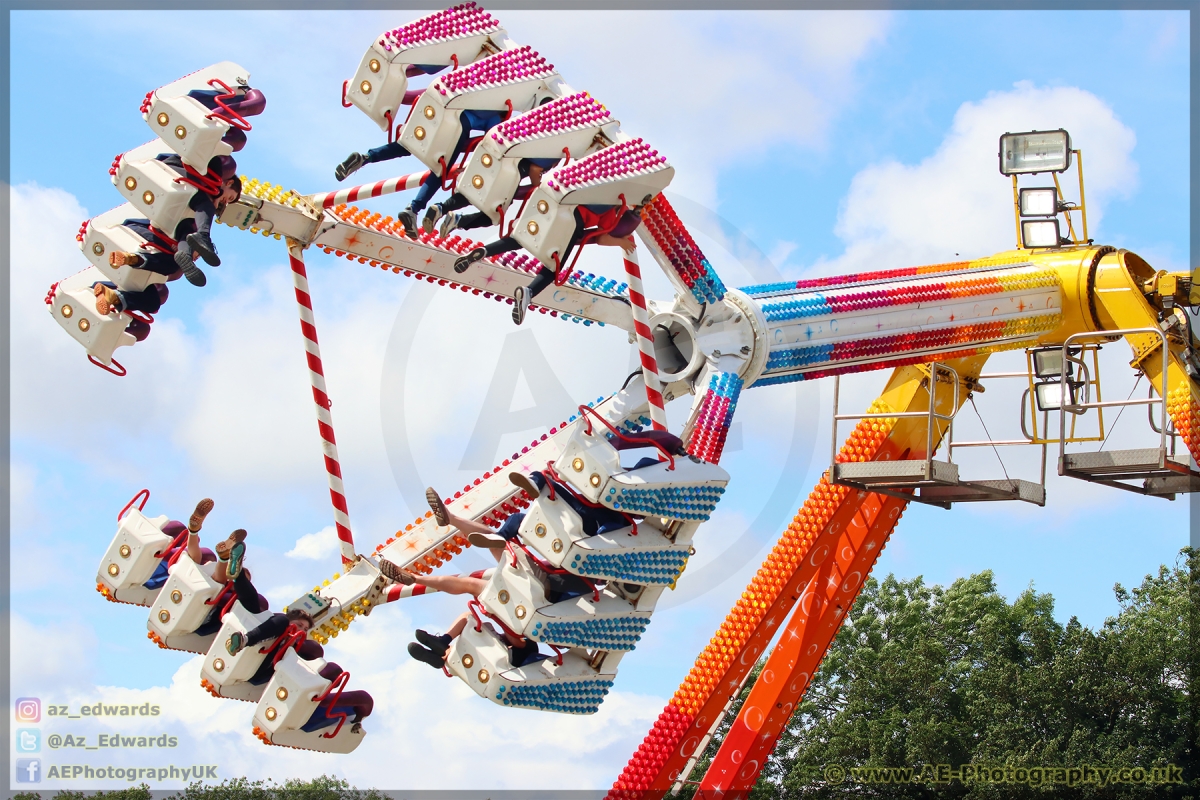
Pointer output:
595, 520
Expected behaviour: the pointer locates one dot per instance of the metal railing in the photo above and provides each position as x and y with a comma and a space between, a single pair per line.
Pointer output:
930, 416
1026, 402
1080, 408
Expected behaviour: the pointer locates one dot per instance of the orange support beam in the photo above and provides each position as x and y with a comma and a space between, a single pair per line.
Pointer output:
825, 525
789, 669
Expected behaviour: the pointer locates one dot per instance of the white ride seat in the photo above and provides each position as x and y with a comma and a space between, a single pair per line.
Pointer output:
182, 606
73, 306
480, 658
155, 191
553, 530
628, 169
457, 34
132, 557
685, 489
434, 128
224, 675
104, 235
600, 620
183, 124
569, 123
291, 699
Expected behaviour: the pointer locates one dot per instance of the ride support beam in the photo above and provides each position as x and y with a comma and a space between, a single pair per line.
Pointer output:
828, 598
1119, 303
818, 530
316, 373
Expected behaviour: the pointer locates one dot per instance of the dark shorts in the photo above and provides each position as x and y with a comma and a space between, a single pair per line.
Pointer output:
561, 587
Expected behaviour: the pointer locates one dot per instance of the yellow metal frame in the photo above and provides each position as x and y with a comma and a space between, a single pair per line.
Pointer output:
1081, 207
1093, 384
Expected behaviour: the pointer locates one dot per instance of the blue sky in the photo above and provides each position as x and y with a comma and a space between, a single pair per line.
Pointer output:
808, 133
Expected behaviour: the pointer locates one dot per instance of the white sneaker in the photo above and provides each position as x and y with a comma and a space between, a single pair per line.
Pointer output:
520, 304
449, 223
431, 217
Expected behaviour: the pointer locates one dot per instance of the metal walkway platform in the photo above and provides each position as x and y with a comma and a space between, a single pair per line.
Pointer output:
932, 482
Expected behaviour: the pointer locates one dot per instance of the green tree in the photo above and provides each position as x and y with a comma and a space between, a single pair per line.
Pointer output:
925, 675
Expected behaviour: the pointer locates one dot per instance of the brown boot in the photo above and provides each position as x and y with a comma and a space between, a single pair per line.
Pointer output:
119, 259
197, 519
439, 508
394, 573
230, 555
107, 300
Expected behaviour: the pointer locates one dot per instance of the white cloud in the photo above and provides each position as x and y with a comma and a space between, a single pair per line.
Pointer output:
50, 657
956, 202
710, 89
315, 546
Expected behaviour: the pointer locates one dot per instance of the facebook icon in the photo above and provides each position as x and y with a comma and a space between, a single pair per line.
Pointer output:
29, 770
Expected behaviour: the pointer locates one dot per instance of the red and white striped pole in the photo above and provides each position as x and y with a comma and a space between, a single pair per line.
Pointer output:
399, 592
316, 371
641, 327
367, 190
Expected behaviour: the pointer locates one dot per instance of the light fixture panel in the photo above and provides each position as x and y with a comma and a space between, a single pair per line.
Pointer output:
1050, 395
1040, 233
1039, 202
1035, 151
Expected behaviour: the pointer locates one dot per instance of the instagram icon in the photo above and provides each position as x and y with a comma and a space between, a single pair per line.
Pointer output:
29, 709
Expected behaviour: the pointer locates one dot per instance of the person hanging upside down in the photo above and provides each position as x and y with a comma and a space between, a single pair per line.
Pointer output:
480, 121
431, 649
195, 552
531, 168
356, 160
206, 207
604, 225
109, 299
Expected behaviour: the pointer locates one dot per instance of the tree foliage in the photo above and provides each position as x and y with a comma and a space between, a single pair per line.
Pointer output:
925, 675
322, 788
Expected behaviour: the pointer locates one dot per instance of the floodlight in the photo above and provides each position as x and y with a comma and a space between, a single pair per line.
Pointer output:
1048, 362
1050, 395
1040, 233
1035, 151
1040, 202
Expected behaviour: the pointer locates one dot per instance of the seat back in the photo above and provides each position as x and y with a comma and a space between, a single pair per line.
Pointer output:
432, 131
134, 553
74, 308
515, 78
453, 35
566, 124
480, 659
225, 675
610, 624
183, 604
104, 235
290, 697
514, 593
627, 171
183, 124
155, 191
588, 460
689, 492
